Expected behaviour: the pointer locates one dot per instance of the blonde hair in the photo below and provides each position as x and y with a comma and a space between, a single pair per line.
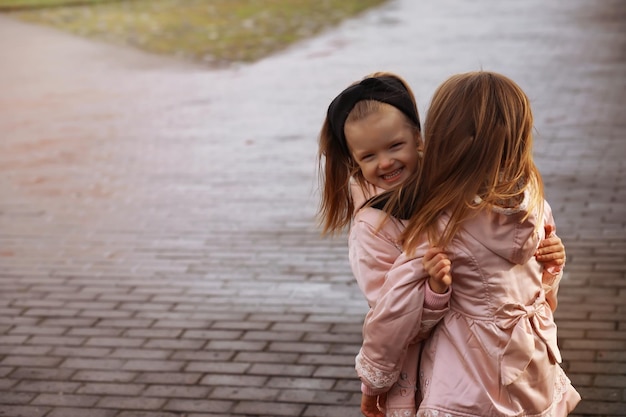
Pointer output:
478, 136
336, 166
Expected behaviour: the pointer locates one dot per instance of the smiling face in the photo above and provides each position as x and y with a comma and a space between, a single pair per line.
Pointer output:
385, 147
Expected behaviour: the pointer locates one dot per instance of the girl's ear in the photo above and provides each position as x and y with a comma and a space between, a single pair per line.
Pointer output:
418, 141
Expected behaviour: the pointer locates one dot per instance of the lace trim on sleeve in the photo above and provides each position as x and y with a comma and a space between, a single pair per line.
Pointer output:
372, 376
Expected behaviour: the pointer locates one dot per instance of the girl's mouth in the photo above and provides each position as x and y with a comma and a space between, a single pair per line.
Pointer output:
393, 175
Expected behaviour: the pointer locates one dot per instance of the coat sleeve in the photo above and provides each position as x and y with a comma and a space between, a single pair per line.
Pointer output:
372, 250
397, 320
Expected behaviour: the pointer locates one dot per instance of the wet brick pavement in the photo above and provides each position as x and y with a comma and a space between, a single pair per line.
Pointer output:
158, 253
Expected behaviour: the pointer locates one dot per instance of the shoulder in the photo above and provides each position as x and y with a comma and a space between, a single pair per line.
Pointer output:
372, 222
377, 218
511, 233
362, 193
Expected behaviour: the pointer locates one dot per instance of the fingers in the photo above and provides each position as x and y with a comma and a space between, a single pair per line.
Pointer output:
551, 245
439, 268
446, 278
556, 257
441, 271
437, 265
441, 279
369, 406
431, 253
549, 229
434, 259
382, 402
543, 256
551, 250
551, 242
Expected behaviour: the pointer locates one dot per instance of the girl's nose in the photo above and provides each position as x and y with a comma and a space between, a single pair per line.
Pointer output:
385, 162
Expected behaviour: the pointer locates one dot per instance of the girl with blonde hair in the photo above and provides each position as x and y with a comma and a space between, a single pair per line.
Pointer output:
478, 198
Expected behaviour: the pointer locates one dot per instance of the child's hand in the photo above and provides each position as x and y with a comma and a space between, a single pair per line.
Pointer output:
551, 252
373, 405
438, 266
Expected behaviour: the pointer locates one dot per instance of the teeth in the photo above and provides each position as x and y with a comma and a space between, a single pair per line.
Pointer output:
391, 174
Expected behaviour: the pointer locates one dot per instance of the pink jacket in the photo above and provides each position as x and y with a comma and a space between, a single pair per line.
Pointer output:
495, 352
373, 251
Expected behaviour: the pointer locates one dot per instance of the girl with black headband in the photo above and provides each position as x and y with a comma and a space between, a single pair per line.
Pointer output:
371, 142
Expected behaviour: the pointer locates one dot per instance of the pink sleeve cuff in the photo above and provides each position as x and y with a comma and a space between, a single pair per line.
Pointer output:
554, 270
554, 274
436, 301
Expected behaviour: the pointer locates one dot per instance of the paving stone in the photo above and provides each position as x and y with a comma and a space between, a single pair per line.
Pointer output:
65, 400
307, 396
17, 397
23, 411
153, 365
81, 412
131, 403
301, 383
110, 389
103, 376
205, 406
95, 331
237, 345
266, 357
330, 359
257, 408
177, 344
48, 374
213, 334
281, 369
217, 367
92, 363
234, 380
182, 378
114, 341
245, 393
327, 371
176, 391
80, 352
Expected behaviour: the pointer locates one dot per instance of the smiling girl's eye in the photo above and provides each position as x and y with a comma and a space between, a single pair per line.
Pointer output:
396, 145
367, 157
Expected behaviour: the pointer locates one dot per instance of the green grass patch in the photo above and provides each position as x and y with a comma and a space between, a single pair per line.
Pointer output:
215, 31
23, 4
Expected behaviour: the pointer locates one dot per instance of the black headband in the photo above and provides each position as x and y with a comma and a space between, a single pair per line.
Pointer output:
385, 89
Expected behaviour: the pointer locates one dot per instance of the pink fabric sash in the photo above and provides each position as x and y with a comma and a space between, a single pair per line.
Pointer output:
519, 350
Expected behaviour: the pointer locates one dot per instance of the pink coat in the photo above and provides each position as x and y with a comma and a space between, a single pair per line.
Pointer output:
495, 352
373, 249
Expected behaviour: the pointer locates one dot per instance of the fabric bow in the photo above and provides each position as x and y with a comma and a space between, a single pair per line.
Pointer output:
526, 321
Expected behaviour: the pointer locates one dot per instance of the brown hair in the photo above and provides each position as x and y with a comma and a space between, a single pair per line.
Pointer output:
337, 166
478, 144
